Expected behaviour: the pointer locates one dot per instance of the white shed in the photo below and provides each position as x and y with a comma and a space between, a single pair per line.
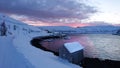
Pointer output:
72, 51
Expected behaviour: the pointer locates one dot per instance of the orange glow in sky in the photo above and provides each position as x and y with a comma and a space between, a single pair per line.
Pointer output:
40, 23
61, 24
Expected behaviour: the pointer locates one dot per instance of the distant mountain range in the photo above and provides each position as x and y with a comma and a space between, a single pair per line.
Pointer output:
57, 28
94, 29
98, 29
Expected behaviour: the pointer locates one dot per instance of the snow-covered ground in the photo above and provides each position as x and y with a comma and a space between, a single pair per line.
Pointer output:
10, 57
103, 46
17, 52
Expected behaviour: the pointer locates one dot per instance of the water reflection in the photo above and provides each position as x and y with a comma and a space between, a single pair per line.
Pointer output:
95, 45
55, 44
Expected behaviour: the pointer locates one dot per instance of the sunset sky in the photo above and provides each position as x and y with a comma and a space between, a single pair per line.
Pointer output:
62, 12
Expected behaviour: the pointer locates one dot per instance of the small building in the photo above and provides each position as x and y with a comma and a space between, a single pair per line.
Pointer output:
73, 52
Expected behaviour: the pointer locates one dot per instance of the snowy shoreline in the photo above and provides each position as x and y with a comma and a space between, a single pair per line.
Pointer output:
103, 46
88, 62
22, 34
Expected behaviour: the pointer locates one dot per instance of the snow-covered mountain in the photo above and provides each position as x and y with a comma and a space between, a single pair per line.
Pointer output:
14, 26
57, 28
102, 29
17, 52
95, 29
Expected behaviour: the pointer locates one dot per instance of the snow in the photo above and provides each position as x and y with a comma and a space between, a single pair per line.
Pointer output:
17, 52
99, 29
110, 29
10, 57
38, 57
73, 46
57, 28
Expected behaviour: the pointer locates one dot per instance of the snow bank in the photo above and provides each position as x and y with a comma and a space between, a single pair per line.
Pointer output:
10, 57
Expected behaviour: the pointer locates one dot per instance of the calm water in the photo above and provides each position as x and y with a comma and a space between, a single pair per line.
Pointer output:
55, 44
104, 46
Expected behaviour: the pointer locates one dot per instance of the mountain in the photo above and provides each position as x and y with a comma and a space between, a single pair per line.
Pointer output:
14, 26
56, 28
91, 29
99, 29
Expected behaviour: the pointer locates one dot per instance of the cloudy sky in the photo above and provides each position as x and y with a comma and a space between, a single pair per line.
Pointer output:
109, 11
62, 12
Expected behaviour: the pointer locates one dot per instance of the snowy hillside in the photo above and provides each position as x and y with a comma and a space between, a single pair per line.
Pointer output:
58, 28
96, 29
109, 29
16, 50
15, 26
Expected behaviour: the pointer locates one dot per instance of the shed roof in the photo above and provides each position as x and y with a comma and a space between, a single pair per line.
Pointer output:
73, 46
